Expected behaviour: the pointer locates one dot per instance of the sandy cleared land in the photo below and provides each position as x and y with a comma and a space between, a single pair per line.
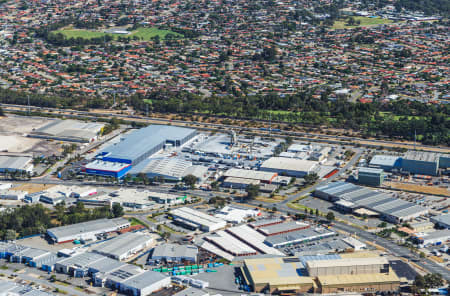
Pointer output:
32, 188
419, 188
13, 136
16, 143
21, 125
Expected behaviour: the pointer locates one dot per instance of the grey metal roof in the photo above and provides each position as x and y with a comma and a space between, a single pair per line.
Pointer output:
82, 260
263, 222
69, 129
144, 279
174, 250
124, 273
13, 162
421, 156
370, 171
140, 141
372, 200
48, 259
31, 253
90, 226
438, 234
106, 264
384, 160
122, 244
444, 219
282, 227
164, 166
296, 235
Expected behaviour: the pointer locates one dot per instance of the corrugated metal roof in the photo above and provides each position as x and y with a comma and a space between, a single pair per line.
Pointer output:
140, 141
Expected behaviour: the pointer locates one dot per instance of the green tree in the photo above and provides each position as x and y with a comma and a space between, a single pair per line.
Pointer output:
10, 234
311, 178
252, 191
330, 216
117, 210
190, 180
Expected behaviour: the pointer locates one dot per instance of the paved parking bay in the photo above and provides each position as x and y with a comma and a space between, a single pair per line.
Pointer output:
403, 269
222, 281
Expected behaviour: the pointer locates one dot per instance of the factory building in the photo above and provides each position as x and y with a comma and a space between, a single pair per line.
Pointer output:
275, 275
289, 166
444, 161
86, 230
194, 219
69, 130
239, 183
123, 246
351, 198
137, 146
298, 237
282, 228
228, 243
173, 253
385, 162
145, 142
263, 177
132, 280
321, 274
167, 198
442, 221
363, 283
12, 194
14, 163
252, 238
437, 237
236, 215
418, 162
370, 176
106, 168
265, 222
347, 266
170, 168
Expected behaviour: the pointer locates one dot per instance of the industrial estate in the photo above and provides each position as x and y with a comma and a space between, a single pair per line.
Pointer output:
176, 210
224, 148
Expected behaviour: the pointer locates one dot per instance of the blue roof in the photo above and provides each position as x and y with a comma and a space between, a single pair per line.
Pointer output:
143, 140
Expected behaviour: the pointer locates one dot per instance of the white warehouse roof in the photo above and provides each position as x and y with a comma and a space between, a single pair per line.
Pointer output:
291, 164
199, 218
74, 231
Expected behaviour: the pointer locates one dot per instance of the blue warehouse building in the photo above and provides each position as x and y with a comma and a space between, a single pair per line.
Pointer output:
145, 142
418, 162
117, 159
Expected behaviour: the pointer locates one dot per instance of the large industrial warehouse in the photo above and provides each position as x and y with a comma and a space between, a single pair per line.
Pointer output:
143, 143
173, 253
289, 166
69, 130
137, 146
321, 274
350, 197
170, 168
86, 230
123, 246
11, 163
195, 219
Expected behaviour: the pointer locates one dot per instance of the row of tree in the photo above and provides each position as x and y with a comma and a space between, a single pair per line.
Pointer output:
36, 219
400, 119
